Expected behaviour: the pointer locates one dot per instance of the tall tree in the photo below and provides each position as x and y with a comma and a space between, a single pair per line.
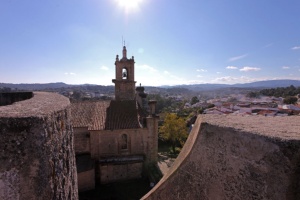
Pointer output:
174, 130
194, 100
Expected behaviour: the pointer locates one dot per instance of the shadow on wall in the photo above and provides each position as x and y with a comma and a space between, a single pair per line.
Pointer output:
8, 98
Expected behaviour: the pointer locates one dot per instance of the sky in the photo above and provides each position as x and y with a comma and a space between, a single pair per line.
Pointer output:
173, 41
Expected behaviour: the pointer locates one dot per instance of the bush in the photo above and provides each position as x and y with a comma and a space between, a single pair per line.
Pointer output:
290, 100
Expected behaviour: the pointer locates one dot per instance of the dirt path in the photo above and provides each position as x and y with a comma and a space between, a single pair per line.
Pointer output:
165, 162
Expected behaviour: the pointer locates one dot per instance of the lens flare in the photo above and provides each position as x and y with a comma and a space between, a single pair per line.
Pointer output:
129, 5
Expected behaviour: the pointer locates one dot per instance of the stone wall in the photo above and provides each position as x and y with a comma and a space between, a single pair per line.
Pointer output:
124, 89
118, 172
152, 139
234, 157
108, 143
37, 158
86, 180
85, 172
82, 140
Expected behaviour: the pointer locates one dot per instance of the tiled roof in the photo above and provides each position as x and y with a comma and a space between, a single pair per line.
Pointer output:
89, 114
122, 115
106, 115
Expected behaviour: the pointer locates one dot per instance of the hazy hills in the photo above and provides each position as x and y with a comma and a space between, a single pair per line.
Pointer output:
195, 87
258, 85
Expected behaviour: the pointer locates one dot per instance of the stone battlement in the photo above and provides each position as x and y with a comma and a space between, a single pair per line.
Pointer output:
234, 157
37, 157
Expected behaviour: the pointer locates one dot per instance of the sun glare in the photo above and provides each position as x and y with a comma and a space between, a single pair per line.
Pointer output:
129, 5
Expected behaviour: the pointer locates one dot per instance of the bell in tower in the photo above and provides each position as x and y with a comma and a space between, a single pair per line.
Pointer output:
124, 73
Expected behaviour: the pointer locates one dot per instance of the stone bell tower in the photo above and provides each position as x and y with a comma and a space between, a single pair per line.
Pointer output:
124, 81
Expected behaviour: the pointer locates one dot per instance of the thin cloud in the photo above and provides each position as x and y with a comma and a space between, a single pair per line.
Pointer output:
70, 73
237, 57
177, 78
199, 76
248, 69
189, 82
232, 80
285, 67
201, 70
173, 76
225, 79
104, 68
295, 48
231, 67
147, 68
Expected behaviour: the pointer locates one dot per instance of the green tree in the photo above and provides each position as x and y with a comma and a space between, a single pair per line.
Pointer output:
174, 130
162, 102
253, 94
194, 100
281, 91
290, 100
76, 95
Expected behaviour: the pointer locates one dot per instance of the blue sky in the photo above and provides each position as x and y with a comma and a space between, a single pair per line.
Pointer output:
173, 41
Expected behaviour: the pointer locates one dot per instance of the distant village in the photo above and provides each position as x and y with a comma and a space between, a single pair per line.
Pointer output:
242, 105
226, 101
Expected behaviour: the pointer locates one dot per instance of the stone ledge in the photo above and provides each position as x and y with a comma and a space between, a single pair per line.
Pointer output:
41, 104
286, 128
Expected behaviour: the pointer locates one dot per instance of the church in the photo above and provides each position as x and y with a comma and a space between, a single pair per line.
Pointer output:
115, 140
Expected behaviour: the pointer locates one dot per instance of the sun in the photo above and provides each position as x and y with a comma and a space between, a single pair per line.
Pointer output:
129, 5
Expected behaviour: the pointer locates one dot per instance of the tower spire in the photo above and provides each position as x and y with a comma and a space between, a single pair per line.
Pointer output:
124, 51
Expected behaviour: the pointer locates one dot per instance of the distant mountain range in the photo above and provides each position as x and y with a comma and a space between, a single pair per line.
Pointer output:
195, 87
35, 86
271, 83
46, 86
258, 85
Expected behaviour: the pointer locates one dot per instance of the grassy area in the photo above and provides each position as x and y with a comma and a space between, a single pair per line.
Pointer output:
126, 190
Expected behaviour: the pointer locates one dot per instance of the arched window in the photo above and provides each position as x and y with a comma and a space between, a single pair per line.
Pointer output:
124, 73
124, 142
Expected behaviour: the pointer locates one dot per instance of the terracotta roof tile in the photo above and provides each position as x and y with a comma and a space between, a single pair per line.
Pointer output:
122, 115
106, 115
89, 114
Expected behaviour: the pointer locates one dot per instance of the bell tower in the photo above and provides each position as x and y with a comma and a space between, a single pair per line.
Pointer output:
124, 81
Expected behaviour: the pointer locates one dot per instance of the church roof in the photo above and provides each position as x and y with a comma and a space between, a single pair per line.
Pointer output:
106, 115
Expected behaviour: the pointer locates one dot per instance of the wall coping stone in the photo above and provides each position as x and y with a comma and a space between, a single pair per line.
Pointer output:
284, 128
41, 104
